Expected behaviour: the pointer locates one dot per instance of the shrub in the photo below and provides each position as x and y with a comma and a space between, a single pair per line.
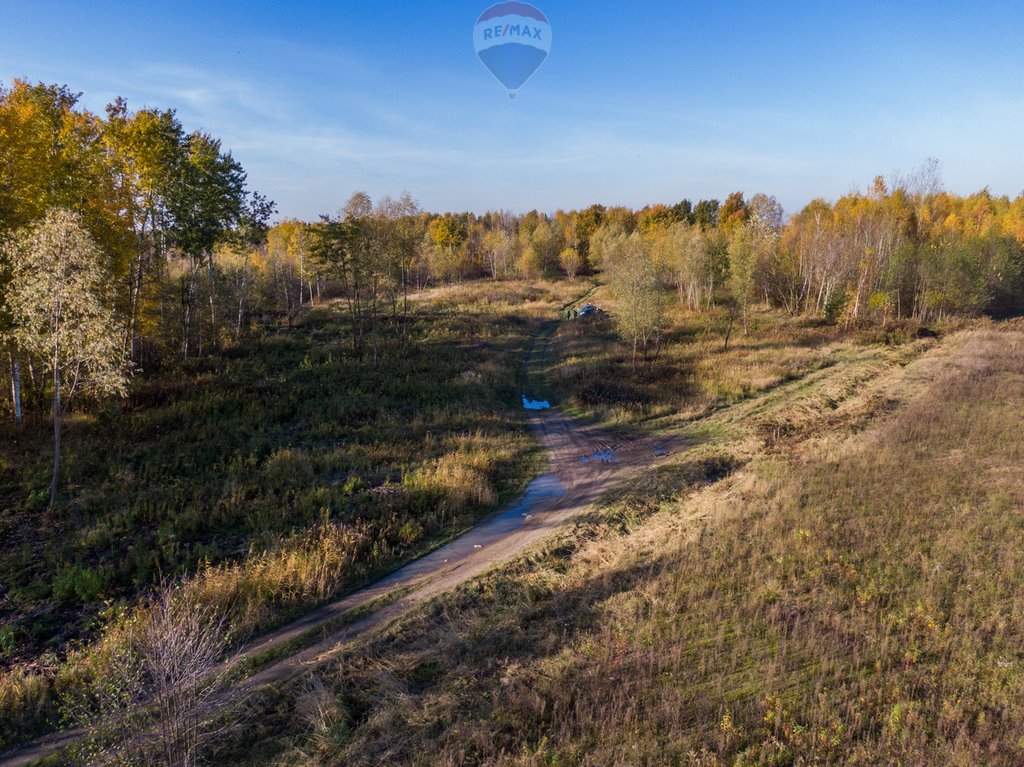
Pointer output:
82, 584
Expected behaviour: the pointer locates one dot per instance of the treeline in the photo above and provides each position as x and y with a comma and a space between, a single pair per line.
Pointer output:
167, 209
902, 249
116, 237
188, 263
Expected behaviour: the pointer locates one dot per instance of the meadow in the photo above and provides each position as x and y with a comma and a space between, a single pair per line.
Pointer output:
691, 369
846, 592
218, 429
289, 470
274, 476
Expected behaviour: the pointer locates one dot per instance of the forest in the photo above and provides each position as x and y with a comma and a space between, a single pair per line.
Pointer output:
261, 414
184, 262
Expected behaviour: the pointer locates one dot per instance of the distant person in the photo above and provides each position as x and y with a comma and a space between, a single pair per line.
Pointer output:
575, 314
568, 314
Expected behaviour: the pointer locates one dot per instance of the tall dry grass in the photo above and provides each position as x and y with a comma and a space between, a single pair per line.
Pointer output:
390, 463
854, 596
270, 585
691, 371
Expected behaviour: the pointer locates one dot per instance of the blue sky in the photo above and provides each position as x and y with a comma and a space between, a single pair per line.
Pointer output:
636, 103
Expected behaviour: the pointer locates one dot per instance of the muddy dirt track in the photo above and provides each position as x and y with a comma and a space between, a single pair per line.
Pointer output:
583, 462
574, 482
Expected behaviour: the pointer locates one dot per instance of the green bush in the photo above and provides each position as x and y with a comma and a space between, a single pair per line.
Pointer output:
8, 641
77, 584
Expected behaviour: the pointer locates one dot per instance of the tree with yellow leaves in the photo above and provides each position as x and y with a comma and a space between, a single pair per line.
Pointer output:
59, 316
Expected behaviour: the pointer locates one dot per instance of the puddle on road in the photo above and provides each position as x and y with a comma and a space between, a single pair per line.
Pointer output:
601, 456
535, 404
541, 489
483, 535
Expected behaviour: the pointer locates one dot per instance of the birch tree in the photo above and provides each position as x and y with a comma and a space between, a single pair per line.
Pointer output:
205, 200
570, 261
55, 299
634, 280
742, 265
144, 151
685, 255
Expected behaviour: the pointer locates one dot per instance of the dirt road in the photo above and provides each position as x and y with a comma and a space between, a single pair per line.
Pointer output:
574, 482
583, 462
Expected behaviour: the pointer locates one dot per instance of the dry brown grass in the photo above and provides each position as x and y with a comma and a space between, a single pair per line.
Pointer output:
408, 480
852, 596
692, 372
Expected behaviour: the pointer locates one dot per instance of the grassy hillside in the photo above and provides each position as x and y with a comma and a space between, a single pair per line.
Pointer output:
850, 594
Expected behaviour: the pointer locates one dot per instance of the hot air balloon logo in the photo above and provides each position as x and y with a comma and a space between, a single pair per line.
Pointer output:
512, 40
